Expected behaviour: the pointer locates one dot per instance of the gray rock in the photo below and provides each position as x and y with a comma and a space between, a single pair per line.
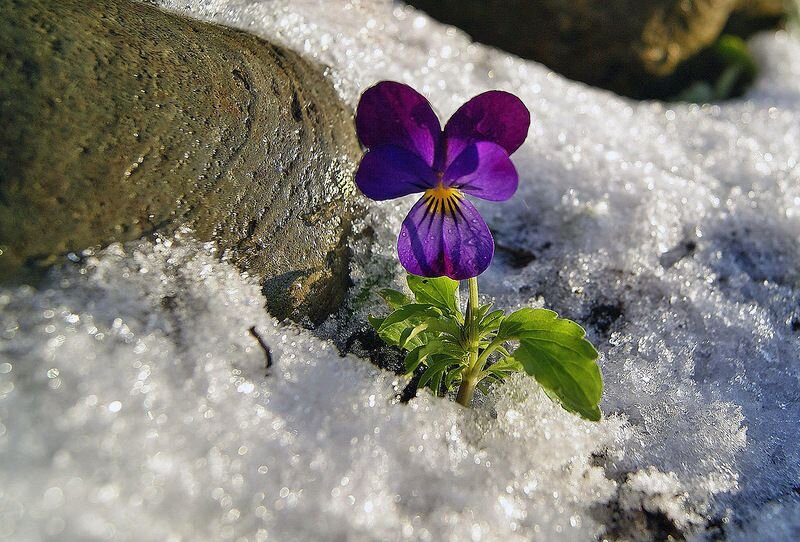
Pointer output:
118, 120
629, 46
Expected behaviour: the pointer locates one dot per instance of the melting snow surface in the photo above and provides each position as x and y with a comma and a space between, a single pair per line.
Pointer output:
134, 402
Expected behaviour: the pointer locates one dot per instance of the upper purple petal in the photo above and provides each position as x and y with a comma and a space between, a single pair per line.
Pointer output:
496, 116
435, 243
388, 172
396, 114
483, 170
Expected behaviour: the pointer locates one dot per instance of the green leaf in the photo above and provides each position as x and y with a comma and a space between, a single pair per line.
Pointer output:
419, 354
412, 310
444, 325
501, 369
408, 316
491, 322
555, 352
575, 381
410, 333
484, 387
436, 383
733, 50
375, 322
530, 323
505, 365
414, 359
429, 373
452, 376
481, 311
433, 374
439, 292
503, 352
739, 65
394, 299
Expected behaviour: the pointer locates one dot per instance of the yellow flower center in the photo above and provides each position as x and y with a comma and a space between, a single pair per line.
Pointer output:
442, 198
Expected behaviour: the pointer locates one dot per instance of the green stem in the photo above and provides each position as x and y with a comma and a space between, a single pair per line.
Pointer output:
470, 380
473, 294
494, 345
465, 391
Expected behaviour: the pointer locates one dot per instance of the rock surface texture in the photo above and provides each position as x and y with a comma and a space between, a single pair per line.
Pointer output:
628, 46
120, 120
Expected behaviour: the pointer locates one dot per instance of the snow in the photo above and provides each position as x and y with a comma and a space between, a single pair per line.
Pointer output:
135, 405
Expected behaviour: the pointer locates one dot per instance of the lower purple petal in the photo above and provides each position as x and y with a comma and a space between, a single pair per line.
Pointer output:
483, 170
388, 172
435, 242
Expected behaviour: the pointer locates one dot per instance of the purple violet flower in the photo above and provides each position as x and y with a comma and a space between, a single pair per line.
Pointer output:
408, 152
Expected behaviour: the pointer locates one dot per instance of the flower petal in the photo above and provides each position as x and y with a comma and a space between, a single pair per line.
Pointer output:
388, 172
396, 114
437, 242
494, 116
483, 170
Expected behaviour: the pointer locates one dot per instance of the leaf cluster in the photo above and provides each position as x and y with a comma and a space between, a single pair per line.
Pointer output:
449, 346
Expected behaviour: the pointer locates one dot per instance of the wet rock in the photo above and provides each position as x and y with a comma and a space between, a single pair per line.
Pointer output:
118, 120
628, 46
755, 15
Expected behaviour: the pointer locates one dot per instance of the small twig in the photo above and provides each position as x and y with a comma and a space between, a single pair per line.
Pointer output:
264, 346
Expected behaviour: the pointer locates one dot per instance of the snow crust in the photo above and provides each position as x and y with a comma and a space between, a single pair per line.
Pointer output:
133, 398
